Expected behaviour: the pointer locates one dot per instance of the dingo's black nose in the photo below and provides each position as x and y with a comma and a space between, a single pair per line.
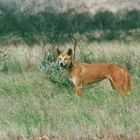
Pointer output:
61, 64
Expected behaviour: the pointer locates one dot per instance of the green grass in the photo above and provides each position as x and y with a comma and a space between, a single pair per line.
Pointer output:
32, 105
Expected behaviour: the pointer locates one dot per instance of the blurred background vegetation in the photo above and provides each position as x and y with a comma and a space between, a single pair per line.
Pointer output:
35, 22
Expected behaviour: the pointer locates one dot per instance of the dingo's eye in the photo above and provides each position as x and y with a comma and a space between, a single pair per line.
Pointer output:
59, 58
65, 58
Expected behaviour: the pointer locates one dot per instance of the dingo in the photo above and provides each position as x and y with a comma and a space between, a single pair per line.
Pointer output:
82, 73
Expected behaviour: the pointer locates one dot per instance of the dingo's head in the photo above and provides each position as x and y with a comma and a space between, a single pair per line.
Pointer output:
64, 58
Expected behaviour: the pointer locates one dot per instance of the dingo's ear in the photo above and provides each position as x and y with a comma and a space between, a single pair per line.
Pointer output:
69, 53
58, 52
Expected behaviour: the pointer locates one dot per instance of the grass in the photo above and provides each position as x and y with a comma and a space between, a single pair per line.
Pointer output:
32, 105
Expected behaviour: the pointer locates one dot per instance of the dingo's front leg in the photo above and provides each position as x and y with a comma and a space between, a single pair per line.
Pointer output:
78, 86
78, 89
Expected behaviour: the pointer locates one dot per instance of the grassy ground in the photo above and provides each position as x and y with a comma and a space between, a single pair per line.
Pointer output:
32, 105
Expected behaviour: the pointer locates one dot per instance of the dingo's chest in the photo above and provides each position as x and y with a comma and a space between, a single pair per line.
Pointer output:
73, 80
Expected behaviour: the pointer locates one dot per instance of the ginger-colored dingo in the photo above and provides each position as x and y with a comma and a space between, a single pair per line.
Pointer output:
82, 73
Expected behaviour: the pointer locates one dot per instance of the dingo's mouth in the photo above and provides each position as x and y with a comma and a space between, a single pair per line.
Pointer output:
63, 66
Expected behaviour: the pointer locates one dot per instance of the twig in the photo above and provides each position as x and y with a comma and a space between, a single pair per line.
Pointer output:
75, 46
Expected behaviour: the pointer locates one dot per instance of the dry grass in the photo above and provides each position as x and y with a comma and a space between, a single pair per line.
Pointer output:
32, 105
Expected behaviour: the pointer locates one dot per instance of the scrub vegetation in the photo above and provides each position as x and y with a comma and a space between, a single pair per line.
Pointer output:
36, 97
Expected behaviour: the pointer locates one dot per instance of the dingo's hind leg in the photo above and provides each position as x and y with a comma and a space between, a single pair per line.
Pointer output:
115, 86
112, 85
118, 85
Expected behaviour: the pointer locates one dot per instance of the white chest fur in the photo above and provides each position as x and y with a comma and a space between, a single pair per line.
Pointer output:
73, 80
